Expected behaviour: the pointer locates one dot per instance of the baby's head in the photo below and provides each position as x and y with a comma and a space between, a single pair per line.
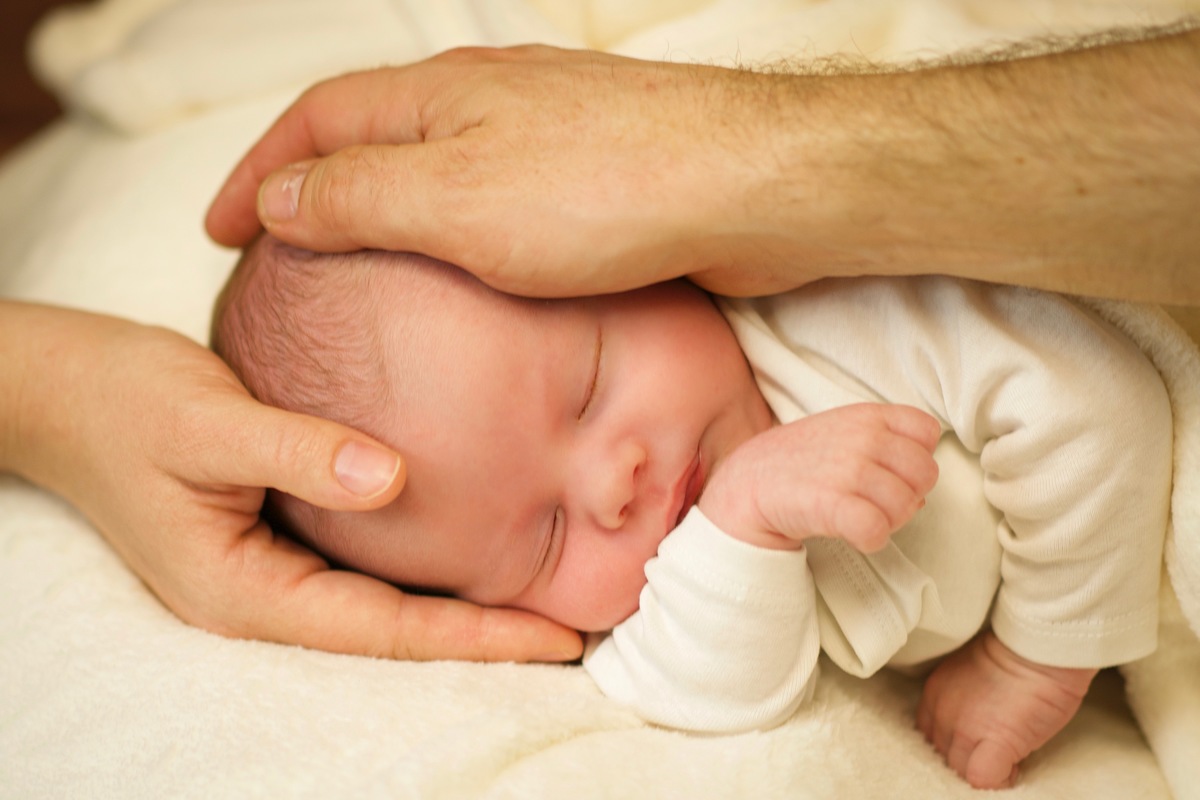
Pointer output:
550, 445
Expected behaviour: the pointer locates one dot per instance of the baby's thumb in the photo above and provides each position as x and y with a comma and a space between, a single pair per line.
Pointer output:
318, 461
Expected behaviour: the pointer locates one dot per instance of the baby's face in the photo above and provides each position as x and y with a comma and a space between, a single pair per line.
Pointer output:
555, 445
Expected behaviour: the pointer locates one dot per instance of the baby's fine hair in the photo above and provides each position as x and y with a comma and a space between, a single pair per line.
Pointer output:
299, 330
306, 332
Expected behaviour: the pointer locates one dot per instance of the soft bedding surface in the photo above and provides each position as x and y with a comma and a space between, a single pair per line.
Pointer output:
103, 693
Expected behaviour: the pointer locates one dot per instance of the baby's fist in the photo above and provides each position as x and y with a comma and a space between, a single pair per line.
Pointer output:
857, 473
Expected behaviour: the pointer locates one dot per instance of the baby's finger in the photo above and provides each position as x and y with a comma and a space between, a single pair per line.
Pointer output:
914, 424
943, 736
991, 765
909, 461
958, 754
890, 494
863, 511
860, 523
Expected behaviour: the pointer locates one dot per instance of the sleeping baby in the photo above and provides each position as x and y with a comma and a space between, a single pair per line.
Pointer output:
954, 479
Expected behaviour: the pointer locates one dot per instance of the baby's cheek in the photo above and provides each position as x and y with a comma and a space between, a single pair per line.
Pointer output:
598, 598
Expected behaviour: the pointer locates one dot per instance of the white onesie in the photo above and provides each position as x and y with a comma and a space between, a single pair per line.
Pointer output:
1047, 522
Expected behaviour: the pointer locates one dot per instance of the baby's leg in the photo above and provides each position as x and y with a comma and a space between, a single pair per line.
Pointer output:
985, 709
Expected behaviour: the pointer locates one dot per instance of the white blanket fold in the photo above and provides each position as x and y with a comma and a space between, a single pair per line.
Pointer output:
103, 693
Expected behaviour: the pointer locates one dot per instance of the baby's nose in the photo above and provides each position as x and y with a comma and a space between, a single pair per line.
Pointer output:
613, 484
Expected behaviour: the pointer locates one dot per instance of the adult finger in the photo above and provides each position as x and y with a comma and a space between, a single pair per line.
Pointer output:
241, 442
288, 596
349, 612
391, 197
360, 108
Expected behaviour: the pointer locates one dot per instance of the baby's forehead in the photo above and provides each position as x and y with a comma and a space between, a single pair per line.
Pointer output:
428, 296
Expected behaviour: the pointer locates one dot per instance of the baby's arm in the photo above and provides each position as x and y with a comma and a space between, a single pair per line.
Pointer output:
726, 635
724, 639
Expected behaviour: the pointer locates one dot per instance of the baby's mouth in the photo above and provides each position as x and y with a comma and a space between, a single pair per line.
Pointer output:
692, 483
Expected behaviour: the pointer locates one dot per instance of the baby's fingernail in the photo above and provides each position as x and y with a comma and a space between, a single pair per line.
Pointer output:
279, 197
364, 470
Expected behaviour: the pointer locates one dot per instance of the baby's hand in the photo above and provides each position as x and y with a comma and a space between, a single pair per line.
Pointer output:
856, 472
985, 709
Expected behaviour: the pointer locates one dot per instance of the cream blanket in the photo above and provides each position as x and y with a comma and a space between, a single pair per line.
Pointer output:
103, 693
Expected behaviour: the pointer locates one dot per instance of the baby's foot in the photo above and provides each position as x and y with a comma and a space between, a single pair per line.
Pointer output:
985, 709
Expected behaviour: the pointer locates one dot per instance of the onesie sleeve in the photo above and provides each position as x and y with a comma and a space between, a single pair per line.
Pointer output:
725, 638
1070, 422
1073, 427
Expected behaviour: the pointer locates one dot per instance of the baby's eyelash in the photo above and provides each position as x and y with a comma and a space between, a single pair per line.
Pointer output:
591, 392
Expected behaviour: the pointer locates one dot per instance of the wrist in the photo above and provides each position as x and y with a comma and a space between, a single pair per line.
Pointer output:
1075, 680
48, 353
22, 336
870, 176
802, 179
735, 520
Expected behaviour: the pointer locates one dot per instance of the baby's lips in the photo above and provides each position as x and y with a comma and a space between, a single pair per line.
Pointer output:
690, 485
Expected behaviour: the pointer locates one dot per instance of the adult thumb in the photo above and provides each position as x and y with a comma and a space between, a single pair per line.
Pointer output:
318, 461
342, 202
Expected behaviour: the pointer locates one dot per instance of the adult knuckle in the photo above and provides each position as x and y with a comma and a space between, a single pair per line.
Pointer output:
313, 94
330, 197
469, 54
492, 261
533, 51
296, 445
408, 629
190, 430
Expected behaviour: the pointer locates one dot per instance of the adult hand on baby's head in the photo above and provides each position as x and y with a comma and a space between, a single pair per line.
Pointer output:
152, 437
553, 172
543, 171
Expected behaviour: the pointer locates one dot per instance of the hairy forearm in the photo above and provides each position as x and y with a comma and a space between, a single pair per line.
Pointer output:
1075, 171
